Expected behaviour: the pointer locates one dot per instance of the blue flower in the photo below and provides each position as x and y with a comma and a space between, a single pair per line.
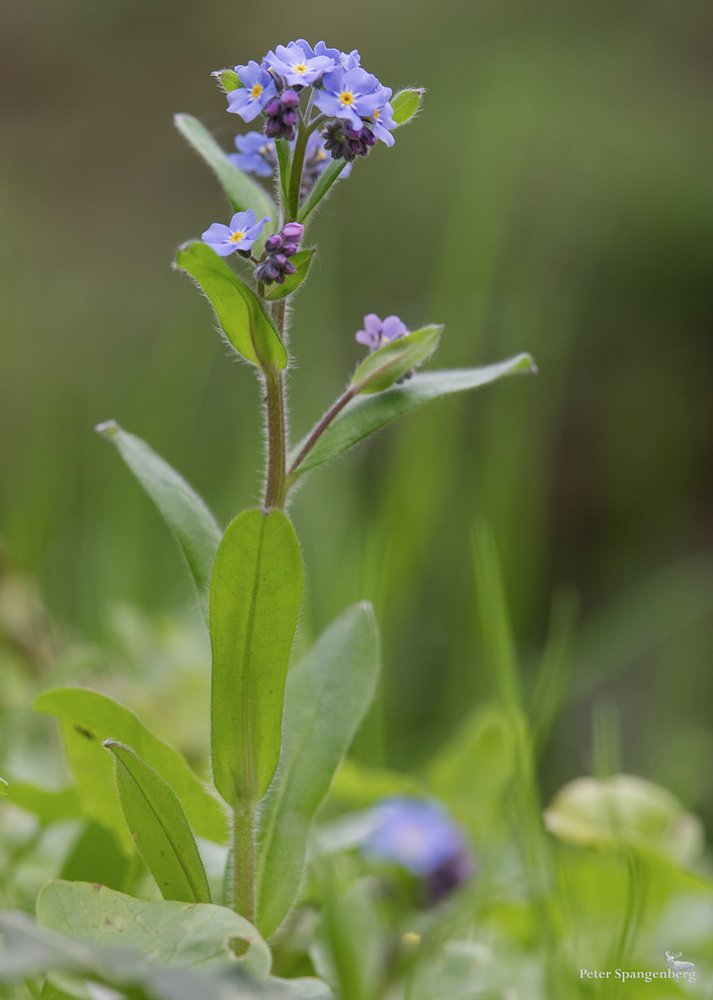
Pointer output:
376, 334
419, 836
382, 122
298, 64
240, 234
258, 88
350, 60
255, 154
350, 94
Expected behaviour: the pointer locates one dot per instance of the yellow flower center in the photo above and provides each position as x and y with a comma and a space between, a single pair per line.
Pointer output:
347, 98
376, 116
300, 69
236, 237
256, 91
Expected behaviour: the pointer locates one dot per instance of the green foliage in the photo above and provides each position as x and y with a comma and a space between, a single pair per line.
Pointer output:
405, 105
229, 79
255, 597
87, 718
47, 806
242, 191
302, 261
186, 514
97, 857
238, 310
326, 697
159, 828
366, 414
196, 936
395, 360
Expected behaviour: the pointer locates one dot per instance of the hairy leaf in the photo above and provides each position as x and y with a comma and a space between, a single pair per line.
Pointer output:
302, 261
368, 413
158, 824
240, 314
242, 191
326, 697
87, 718
186, 514
255, 597
405, 104
393, 361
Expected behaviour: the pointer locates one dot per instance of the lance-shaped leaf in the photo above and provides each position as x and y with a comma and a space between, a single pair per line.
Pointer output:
158, 824
326, 697
391, 362
255, 597
242, 319
302, 261
242, 191
326, 179
49, 807
186, 514
368, 413
405, 104
87, 718
204, 937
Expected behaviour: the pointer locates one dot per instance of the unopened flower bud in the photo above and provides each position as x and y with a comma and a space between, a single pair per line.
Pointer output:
272, 108
289, 118
293, 231
290, 99
273, 243
290, 249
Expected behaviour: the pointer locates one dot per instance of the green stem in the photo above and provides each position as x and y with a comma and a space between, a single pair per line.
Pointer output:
244, 860
298, 159
275, 488
323, 424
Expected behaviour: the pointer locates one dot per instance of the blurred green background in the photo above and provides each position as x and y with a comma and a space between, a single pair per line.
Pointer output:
554, 196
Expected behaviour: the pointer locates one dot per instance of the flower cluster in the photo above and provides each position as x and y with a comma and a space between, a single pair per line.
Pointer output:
257, 155
278, 248
357, 104
420, 836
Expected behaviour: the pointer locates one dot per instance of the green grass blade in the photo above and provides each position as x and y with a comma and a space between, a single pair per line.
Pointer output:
326, 697
159, 827
186, 514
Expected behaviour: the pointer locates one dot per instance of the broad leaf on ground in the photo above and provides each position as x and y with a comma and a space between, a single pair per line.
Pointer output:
326, 697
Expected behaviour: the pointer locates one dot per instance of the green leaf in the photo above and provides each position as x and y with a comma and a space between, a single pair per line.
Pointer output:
391, 362
357, 785
305, 987
242, 319
49, 807
326, 179
228, 79
302, 261
87, 718
255, 597
198, 936
405, 105
326, 697
97, 857
193, 525
242, 191
159, 827
366, 414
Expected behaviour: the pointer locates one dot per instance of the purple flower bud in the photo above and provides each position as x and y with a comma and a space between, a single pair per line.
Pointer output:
273, 243
288, 267
290, 249
289, 118
290, 99
293, 231
273, 128
272, 109
279, 259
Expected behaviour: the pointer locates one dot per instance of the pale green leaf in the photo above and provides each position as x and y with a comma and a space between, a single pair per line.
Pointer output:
238, 310
326, 697
302, 261
242, 191
185, 513
405, 104
198, 936
255, 597
366, 414
395, 360
159, 827
87, 718
49, 807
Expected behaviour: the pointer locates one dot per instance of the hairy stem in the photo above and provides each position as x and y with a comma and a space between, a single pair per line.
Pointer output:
244, 860
323, 424
275, 487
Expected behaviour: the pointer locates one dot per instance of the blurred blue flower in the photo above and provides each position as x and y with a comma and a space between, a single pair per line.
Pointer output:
258, 88
381, 121
421, 837
240, 234
376, 334
255, 154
